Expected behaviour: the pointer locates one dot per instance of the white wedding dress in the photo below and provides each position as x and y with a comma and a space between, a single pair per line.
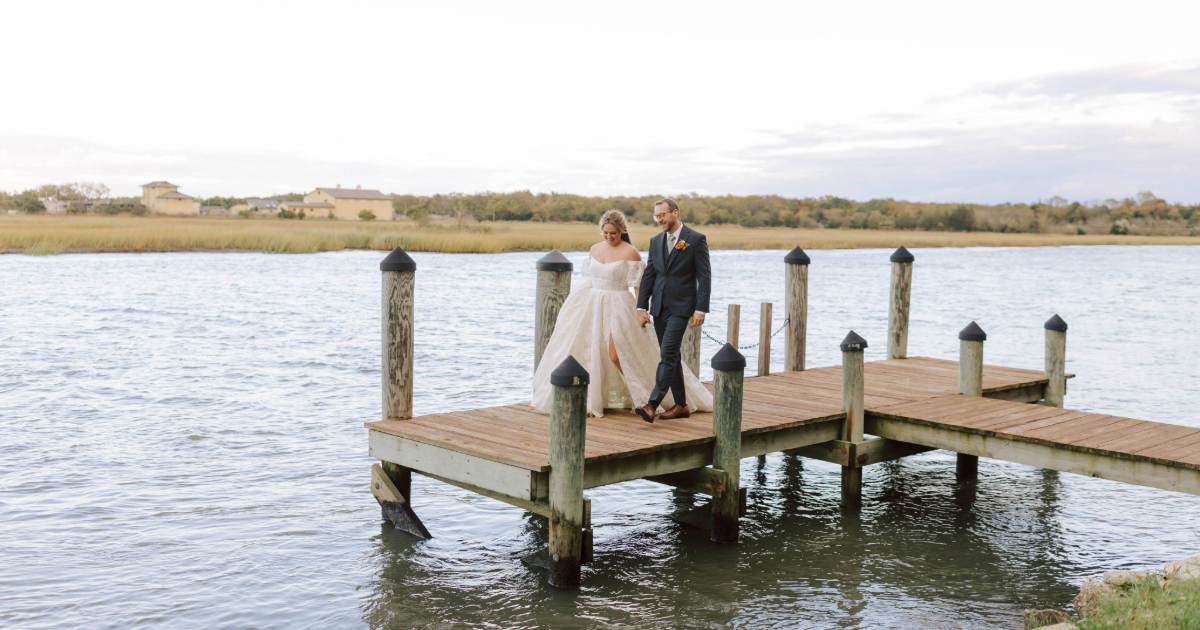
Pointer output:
599, 306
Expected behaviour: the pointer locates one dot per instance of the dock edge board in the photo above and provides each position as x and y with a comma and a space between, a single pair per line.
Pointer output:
1124, 470
519, 483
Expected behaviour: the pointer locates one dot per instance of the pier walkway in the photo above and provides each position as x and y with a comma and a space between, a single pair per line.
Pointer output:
855, 415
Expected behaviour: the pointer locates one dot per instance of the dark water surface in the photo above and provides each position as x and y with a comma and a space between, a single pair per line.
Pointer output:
182, 447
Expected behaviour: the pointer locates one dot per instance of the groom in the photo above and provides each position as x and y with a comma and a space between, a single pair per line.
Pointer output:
675, 289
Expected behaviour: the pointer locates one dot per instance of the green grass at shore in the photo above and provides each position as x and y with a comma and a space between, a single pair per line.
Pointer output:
56, 234
1149, 605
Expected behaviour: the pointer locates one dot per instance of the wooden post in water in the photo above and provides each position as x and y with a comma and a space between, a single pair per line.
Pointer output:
690, 349
795, 308
399, 278
970, 382
764, 339
902, 262
553, 287
734, 320
853, 402
729, 368
1056, 361
568, 426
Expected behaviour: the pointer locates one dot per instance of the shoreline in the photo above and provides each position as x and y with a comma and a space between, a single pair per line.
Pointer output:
78, 234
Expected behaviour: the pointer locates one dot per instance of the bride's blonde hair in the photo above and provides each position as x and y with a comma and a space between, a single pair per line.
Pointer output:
617, 219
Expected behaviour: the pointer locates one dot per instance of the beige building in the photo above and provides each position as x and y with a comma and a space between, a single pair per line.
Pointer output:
347, 203
317, 209
264, 206
165, 198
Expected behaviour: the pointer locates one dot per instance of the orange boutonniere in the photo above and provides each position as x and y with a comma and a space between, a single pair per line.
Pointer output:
682, 246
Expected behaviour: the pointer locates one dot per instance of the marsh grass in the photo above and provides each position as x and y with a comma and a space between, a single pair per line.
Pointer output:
1151, 605
43, 235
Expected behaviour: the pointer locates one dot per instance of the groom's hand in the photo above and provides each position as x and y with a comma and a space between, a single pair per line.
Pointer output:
697, 318
643, 318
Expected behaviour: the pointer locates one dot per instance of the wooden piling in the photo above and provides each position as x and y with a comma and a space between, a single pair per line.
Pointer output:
568, 427
399, 278
733, 323
853, 403
729, 368
690, 349
970, 383
553, 287
764, 339
902, 262
1056, 361
795, 308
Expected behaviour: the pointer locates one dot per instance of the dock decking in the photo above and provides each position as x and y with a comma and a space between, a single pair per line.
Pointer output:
913, 401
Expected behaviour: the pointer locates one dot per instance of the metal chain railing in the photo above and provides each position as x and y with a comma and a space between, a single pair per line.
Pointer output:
753, 345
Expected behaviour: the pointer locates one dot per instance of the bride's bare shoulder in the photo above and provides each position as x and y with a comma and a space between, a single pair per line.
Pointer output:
629, 252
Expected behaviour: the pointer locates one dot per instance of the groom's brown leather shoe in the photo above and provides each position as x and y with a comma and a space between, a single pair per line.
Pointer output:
646, 412
678, 411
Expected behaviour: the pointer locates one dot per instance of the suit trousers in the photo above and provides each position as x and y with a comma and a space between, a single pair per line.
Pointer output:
669, 328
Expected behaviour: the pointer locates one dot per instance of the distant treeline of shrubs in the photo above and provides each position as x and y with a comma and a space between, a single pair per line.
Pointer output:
1143, 214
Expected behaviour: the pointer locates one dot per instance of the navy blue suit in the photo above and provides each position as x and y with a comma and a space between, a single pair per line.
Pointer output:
676, 284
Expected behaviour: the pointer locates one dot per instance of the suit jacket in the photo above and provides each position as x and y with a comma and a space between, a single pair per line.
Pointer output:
682, 282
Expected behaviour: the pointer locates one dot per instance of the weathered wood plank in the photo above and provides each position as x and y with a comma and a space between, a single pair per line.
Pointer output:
427, 458
710, 481
1136, 472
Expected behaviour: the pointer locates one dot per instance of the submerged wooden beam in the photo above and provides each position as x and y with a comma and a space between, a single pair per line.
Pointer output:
865, 453
710, 481
395, 506
1131, 471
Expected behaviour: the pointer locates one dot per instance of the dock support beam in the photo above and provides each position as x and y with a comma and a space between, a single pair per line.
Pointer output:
399, 279
729, 368
553, 287
689, 350
764, 338
970, 383
902, 263
853, 401
399, 283
1056, 361
568, 426
795, 308
732, 323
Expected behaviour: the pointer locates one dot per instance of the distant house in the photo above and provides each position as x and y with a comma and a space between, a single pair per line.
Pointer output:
54, 205
165, 198
266, 206
214, 210
348, 203
313, 208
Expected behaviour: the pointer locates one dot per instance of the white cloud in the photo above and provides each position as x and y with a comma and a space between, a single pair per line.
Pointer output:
926, 101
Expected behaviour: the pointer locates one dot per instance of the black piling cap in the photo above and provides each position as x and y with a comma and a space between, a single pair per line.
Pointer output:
554, 261
728, 359
853, 342
569, 374
796, 257
1056, 323
902, 255
972, 333
397, 261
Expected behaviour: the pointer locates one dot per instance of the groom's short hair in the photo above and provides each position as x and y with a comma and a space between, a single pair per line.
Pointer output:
669, 202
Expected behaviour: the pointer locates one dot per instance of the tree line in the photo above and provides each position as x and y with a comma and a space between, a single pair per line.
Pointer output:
1144, 213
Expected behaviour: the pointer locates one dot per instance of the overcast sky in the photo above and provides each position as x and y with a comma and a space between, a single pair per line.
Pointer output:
952, 101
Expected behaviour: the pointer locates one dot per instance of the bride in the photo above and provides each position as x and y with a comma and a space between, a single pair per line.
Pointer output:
598, 326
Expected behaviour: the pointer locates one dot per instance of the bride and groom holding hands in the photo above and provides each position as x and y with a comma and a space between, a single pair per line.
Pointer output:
608, 330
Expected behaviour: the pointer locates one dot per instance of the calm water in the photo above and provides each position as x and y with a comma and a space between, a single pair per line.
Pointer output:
182, 447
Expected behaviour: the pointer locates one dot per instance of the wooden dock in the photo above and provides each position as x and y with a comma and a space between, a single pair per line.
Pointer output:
910, 404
